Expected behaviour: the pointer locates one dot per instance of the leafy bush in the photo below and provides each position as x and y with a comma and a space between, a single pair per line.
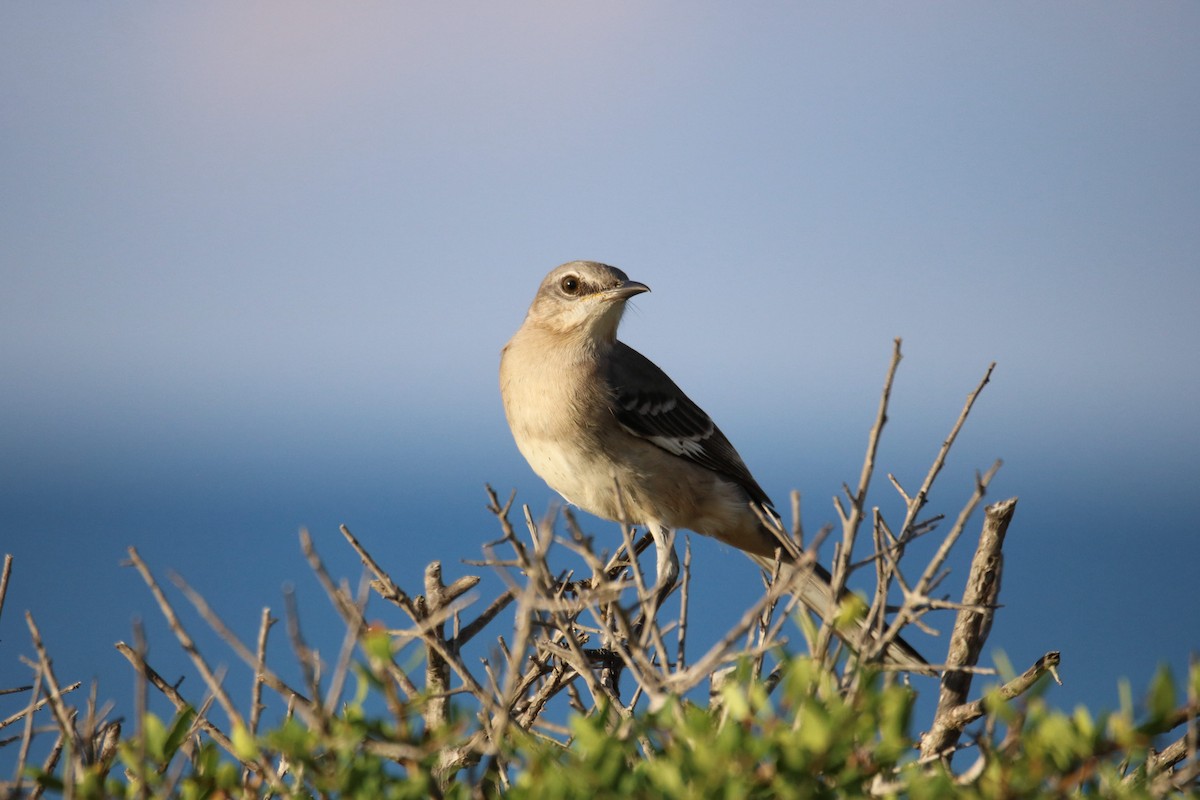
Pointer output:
593, 690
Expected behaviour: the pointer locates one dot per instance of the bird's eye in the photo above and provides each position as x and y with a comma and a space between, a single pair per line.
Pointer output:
570, 284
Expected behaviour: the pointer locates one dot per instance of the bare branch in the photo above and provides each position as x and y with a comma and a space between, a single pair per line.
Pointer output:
172, 694
185, 640
5, 572
260, 668
959, 716
62, 716
972, 626
917, 502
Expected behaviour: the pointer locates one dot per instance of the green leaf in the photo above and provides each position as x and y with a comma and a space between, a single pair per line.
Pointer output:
154, 733
244, 746
1161, 701
377, 643
180, 728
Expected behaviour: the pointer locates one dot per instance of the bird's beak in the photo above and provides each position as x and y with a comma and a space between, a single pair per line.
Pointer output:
625, 291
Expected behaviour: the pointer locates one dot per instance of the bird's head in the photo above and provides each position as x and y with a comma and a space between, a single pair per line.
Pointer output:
583, 298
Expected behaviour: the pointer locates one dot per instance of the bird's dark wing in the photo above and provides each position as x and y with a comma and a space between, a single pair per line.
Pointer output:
648, 404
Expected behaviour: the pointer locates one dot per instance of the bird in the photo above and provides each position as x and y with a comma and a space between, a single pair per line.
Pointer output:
611, 433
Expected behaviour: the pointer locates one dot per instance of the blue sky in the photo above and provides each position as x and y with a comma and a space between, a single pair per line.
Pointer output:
259, 260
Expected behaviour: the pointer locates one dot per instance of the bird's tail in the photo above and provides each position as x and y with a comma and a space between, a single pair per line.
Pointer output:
816, 592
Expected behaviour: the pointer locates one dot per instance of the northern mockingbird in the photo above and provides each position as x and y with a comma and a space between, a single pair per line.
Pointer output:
612, 434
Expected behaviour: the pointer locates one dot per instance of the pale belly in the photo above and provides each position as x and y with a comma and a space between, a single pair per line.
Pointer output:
582, 480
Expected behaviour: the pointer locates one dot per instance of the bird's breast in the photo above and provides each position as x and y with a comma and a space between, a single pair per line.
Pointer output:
555, 413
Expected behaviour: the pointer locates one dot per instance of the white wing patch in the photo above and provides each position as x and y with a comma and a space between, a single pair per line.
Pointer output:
656, 424
687, 446
650, 406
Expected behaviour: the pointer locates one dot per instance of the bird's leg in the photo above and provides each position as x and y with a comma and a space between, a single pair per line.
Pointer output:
666, 569
666, 565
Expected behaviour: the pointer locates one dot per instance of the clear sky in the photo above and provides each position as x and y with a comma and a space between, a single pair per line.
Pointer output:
259, 259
